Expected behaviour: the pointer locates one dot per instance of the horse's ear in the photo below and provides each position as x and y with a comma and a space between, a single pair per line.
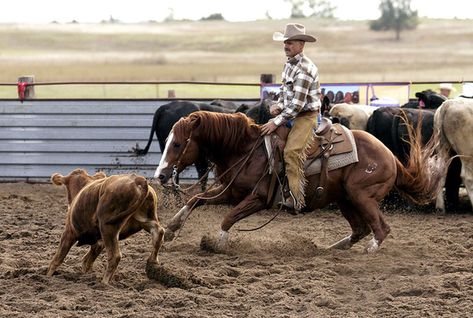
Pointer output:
195, 121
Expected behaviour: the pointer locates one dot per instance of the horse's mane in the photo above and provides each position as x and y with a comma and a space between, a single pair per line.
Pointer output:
224, 132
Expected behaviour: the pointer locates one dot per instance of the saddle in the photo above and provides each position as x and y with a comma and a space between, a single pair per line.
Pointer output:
329, 139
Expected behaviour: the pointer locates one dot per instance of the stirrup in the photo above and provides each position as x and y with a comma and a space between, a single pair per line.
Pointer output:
289, 204
319, 192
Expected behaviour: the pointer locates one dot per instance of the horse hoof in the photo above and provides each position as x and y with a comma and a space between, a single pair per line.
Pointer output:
372, 246
169, 235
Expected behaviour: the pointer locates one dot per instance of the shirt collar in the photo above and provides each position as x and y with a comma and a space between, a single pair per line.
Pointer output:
295, 59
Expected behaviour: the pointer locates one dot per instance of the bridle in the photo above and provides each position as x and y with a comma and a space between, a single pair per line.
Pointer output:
175, 185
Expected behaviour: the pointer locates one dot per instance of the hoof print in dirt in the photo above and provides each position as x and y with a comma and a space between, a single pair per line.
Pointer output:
166, 277
168, 235
211, 244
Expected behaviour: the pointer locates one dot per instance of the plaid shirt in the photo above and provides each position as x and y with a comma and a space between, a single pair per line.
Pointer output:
300, 89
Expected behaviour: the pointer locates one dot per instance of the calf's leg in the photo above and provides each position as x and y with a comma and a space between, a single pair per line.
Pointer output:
157, 236
89, 258
68, 239
110, 240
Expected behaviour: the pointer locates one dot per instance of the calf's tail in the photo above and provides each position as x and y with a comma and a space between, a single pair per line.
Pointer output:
142, 187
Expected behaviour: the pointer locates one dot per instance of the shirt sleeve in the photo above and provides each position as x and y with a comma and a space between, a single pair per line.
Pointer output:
301, 85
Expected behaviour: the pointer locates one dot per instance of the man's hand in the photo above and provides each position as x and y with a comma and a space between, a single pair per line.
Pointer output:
268, 128
274, 110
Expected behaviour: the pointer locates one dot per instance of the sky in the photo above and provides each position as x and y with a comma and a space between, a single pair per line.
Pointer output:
92, 11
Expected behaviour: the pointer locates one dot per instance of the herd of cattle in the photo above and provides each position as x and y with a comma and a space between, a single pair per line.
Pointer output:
103, 209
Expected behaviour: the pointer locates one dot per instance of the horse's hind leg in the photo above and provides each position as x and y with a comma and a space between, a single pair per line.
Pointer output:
359, 227
369, 211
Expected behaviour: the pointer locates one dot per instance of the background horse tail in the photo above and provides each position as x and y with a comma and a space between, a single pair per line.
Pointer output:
157, 114
417, 180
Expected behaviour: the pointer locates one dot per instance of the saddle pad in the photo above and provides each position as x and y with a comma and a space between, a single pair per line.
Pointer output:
312, 167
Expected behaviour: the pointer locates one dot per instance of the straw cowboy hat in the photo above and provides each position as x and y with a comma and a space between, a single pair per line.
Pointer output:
293, 31
448, 86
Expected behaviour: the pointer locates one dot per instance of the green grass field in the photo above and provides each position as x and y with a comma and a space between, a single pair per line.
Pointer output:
218, 51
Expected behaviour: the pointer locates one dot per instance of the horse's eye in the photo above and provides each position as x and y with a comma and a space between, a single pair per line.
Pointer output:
176, 145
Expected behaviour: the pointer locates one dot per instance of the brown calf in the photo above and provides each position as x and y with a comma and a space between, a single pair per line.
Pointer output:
103, 210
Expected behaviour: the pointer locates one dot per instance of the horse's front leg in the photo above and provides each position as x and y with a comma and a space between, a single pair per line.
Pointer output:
251, 204
178, 220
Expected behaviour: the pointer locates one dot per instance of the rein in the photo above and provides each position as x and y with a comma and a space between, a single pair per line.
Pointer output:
270, 194
177, 187
244, 159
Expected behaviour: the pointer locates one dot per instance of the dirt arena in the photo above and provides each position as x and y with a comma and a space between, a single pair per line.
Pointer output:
424, 268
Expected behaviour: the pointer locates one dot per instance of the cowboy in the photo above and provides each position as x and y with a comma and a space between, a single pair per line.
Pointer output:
446, 89
299, 100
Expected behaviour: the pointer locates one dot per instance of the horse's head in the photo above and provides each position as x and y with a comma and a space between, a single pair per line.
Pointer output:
181, 149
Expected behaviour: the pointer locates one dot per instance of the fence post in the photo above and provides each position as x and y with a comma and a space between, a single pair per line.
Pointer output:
171, 93
265, 79
26, 91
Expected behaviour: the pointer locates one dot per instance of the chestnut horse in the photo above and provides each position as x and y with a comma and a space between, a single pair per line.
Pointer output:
233, 143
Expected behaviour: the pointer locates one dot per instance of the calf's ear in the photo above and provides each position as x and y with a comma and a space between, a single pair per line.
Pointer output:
99, 175
57, 179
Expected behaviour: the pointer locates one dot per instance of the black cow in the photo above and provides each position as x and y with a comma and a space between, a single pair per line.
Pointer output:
166, 116
427, 99
227, 104
259, 111
386, 124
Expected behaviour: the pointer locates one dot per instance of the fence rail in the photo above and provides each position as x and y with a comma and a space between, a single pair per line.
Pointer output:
41, 137
162, 89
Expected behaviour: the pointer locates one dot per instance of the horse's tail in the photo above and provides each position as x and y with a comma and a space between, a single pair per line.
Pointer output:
157, 114
417, 180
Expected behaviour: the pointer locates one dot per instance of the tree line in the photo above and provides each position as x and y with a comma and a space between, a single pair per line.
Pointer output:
396, 15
